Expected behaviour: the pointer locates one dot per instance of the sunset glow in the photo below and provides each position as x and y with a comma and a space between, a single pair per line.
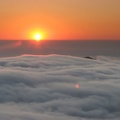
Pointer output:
65, 19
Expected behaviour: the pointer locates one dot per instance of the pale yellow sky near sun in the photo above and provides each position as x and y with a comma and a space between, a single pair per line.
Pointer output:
60, 19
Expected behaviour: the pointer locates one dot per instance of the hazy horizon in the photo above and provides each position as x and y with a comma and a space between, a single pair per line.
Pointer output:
63, 47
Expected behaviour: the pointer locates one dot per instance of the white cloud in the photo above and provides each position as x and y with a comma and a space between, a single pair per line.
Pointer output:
43, 88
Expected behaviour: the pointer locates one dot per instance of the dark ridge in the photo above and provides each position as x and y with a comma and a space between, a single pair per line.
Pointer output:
88, 57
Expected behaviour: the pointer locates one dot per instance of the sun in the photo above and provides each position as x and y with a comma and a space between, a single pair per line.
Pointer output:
37, 37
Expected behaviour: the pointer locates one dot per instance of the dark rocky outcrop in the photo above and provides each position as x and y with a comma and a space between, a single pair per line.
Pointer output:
88, 57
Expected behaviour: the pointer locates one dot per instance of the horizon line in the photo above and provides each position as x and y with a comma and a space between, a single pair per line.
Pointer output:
60, 40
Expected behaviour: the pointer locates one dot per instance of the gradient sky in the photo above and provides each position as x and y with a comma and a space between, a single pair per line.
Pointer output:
60, 19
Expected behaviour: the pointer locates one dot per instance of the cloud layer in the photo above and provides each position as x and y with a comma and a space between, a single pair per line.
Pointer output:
44, 88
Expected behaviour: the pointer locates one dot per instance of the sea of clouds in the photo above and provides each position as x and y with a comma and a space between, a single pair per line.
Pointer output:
58, 87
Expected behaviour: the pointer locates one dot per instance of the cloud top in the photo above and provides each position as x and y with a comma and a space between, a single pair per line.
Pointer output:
58, 87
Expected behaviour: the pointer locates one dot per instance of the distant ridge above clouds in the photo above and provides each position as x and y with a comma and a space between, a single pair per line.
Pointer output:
43, 87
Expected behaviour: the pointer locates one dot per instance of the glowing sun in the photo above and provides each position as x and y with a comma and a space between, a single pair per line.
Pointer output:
37, 37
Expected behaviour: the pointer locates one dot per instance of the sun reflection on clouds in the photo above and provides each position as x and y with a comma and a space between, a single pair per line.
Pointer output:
77, 86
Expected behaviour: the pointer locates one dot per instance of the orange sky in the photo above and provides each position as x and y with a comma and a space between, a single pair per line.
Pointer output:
60, 19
